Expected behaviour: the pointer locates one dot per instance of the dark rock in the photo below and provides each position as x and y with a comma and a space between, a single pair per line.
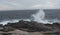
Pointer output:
29, 26
32, 26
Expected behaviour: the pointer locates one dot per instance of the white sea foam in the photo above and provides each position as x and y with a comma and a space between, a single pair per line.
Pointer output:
38, 17
13, 21
8, 21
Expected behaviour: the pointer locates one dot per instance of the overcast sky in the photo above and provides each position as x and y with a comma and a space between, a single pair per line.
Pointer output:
29, 4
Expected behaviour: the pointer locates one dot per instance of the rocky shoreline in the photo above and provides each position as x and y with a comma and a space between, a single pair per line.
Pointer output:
31, 26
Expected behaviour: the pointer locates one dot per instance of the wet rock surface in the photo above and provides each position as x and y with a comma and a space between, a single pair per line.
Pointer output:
32, 26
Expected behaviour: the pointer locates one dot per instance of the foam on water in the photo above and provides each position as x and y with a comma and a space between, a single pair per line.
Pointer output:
12, 21
8, 21
38, 17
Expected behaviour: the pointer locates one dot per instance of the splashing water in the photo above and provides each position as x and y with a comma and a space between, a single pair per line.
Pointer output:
9, 21
39, 17
12, 21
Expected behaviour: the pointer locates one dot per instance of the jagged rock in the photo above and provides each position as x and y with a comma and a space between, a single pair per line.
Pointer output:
32, 26
29, 26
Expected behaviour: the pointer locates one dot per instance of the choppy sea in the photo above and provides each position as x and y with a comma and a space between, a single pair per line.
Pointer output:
15, 15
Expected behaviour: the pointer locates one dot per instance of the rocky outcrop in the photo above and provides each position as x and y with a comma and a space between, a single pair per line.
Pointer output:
54, 26
29, 26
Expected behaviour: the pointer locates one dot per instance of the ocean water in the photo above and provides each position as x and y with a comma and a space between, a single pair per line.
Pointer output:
16, 15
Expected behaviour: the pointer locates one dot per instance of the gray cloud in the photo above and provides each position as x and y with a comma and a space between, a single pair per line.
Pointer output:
29, 4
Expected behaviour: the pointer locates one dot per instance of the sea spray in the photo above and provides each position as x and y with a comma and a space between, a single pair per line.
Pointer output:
39, 17
9, 21
13, 21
